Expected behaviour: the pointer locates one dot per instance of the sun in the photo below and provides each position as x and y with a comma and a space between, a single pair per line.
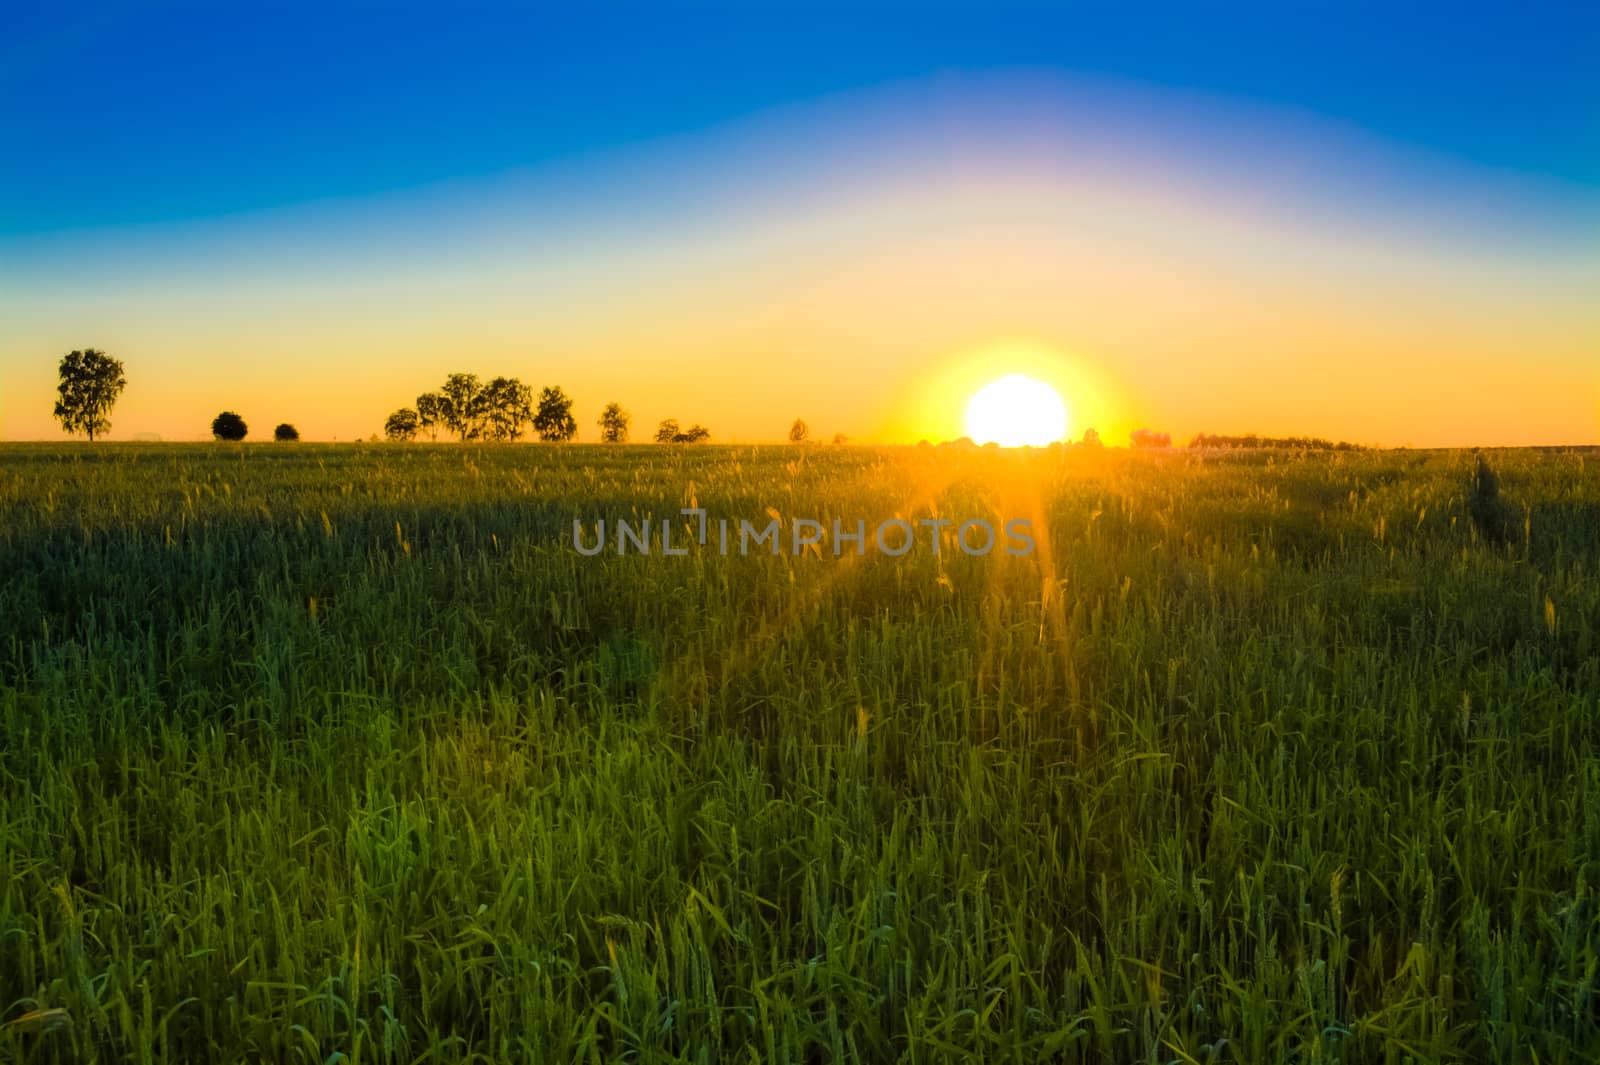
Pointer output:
1016, 411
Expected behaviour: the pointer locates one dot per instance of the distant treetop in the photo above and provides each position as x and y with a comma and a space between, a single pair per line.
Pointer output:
1251, 440
402, 425
669, 433
229, 426
553, 420
614, 424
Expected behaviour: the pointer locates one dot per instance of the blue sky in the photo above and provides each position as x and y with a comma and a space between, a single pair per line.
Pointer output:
119, 113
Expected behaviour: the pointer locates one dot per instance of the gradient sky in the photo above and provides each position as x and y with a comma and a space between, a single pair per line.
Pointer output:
1375, 225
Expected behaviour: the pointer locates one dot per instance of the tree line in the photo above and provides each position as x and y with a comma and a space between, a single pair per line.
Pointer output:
502, 409
1251, 440
505, 410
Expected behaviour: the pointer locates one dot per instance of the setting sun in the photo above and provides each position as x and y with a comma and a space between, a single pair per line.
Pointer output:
1016, 411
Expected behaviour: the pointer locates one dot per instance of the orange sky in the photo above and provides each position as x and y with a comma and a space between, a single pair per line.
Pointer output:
1250, 272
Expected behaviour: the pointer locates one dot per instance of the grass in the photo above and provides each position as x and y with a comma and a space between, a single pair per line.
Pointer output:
342, 753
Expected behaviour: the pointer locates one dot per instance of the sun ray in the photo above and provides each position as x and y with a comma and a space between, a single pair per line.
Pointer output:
742, 652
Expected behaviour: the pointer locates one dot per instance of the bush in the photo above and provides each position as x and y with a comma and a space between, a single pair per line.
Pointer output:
229, 426
1489, 513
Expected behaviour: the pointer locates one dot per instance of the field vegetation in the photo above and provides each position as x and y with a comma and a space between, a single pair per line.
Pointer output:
343, 754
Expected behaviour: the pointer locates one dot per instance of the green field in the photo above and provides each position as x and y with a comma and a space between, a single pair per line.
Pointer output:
342, 753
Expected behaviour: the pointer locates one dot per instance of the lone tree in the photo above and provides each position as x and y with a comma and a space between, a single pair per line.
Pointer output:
229, 426
667, 431
91, 381
402, 425
1149, 438
1091, 438
614, 424
553, 421
504, 406
286, 432
798, 432
692, 435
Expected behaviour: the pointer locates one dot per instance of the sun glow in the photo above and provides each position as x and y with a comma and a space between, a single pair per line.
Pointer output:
1016, 411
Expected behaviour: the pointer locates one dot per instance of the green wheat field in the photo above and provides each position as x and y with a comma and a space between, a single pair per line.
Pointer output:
344, 754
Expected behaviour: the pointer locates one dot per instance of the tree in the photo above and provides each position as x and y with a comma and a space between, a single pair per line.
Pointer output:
91, 381
431, 408
229, 426
614, 424
669, 433
1149, 438
505, 405
798, 432
553, 420
840, 438
462, 405
1091, 438
286, 432
402, 425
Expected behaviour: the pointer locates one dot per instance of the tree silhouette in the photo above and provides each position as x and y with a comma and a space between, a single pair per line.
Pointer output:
1091, 438
553, 420
1149, 438
402, 425
462, 405
286, 432
91, 381
840, 438
614, 424
798, 432
229, 426
505, 405
669, 433
431, 410
1251, 440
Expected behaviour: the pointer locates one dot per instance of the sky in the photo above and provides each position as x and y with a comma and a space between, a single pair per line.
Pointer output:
1379, 224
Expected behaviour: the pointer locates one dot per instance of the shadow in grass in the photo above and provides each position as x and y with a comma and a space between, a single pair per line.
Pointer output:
1563, 532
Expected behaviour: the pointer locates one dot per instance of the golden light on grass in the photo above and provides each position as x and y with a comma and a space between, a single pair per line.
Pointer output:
1017, 411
